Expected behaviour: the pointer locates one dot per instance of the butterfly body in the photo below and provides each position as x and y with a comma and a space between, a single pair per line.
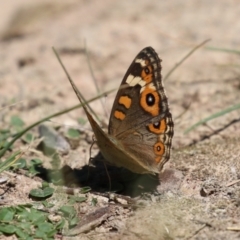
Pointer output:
140, 128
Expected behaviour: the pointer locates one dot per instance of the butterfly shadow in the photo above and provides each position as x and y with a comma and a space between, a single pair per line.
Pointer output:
104, 178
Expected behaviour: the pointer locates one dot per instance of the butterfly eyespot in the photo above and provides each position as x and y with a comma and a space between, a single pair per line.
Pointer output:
146, 69
156, 125
150, 99
159, 148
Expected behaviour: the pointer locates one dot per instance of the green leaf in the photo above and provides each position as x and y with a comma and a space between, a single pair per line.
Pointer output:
6, 214
45, 227
48, 191
35, 162
26, 226
60, 224
45, 184
28, 137
78, 199
47, 204
24, 206
33, 166
67, 210
51, 233
17, 122
40, 234
9, 229
22, 216
85, 189
73, 222
21, 234
41, 193
73, 133
22, 163
36, 216
81, 121
94, 201
29, 238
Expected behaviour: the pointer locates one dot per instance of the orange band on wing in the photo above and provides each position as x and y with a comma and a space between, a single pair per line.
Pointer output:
158, 159
119, 115
146, 74
125, 101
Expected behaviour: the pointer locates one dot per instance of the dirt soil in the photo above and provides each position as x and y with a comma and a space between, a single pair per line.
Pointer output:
198, 195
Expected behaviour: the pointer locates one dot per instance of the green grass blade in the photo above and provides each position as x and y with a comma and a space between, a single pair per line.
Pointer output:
223, 50
21, 133
215, 115
10, 161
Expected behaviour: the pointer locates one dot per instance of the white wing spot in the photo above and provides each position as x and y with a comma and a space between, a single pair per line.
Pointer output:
141, 61
133, 81
151, 85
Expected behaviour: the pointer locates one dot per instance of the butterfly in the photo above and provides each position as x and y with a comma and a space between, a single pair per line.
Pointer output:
140, 129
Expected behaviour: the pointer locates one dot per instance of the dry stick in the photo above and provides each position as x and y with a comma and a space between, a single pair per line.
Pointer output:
183, 112
188, 55
215, 115
233, 182
215, 132
197, 231
212, 129
233, 229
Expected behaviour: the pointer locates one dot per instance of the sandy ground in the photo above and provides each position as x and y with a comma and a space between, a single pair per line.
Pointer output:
114, 32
